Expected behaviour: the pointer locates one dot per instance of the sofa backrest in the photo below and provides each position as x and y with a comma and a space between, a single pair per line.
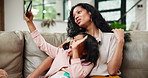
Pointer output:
33, 55
135, 56
17, 48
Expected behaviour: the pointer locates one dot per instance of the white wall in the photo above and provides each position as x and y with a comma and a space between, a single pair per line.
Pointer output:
130, 16
14, 19
141, 16
146, 15
138, 15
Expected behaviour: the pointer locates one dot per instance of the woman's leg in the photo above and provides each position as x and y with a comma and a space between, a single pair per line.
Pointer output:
105, 77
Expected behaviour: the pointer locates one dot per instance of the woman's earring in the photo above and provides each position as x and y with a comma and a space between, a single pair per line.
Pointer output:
90, 17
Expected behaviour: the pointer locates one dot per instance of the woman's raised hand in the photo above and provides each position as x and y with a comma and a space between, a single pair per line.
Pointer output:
119, 34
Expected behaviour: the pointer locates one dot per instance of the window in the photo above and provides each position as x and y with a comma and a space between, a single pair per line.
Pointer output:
67, 5
42, 9
112, 10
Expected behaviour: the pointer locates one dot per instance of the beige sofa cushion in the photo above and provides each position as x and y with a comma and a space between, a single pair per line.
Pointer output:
135, 56
11, 53
34, 56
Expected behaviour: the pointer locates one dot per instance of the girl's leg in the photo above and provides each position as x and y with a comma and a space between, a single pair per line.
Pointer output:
3, 74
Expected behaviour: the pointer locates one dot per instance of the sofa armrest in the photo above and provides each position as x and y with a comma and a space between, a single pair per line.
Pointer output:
11, 53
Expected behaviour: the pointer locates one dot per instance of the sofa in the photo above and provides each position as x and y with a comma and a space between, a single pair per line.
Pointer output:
19, 55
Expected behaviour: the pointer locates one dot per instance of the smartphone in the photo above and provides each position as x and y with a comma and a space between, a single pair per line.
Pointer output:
29, 9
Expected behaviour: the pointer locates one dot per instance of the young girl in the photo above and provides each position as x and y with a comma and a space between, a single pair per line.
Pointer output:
75, 60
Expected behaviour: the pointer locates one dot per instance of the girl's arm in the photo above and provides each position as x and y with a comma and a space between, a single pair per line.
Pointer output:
37, 38
80, 70
41, 68
43, 45
30, 22
48, 61
115, 63
60, 46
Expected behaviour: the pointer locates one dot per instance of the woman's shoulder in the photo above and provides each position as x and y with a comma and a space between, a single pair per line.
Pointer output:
108, 34
108, 38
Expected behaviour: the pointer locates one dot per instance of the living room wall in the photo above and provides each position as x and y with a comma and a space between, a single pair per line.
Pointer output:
141, 15
14, 19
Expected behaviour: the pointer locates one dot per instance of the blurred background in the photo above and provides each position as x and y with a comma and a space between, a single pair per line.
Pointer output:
133, 14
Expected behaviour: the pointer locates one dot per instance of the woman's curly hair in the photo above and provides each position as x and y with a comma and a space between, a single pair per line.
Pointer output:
97, 18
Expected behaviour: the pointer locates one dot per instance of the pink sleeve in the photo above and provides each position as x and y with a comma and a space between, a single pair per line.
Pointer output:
80, 70
43, 45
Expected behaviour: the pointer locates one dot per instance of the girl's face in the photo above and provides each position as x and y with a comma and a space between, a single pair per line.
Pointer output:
81, 16
80, 47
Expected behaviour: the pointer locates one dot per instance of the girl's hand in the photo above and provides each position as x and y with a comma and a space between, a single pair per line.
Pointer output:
78, 47
77, 43
119, 34
29, 19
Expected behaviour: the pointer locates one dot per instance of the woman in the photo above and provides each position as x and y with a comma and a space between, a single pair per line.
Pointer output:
85, 18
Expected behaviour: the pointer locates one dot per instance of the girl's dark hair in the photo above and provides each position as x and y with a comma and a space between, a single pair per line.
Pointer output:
97, 18
66, 46
90, 47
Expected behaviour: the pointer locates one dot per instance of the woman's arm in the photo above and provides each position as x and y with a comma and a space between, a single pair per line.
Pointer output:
115, 63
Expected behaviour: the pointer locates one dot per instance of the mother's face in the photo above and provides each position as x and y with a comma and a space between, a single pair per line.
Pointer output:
81, 16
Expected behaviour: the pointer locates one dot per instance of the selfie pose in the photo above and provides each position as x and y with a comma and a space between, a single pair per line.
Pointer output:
74, 60
85, 18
